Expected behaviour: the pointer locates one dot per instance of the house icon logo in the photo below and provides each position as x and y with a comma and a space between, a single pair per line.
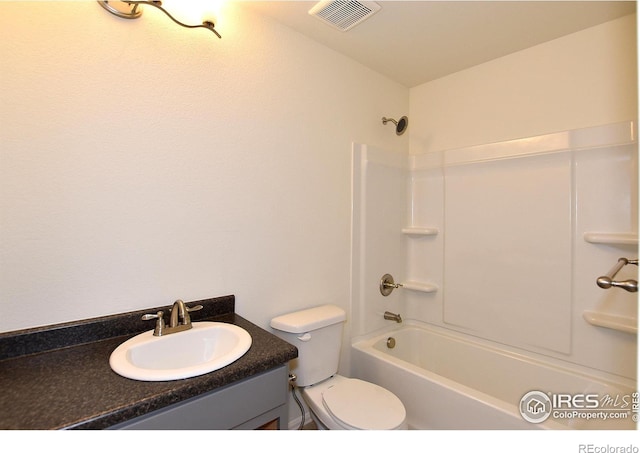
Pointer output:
535, 407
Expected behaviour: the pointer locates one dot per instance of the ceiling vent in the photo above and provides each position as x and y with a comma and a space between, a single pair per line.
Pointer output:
344, 14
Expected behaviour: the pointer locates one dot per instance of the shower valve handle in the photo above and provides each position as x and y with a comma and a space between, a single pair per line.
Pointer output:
392, 285
387, 285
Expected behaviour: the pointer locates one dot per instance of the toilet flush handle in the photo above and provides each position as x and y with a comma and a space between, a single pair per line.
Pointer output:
304, 337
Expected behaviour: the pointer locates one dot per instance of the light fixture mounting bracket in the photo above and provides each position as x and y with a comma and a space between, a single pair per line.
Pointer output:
121, 9
130, 9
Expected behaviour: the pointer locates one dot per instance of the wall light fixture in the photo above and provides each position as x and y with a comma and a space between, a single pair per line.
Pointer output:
131, 9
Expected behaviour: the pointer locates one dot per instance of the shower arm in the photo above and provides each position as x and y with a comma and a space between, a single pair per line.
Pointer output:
606, 281
401, 124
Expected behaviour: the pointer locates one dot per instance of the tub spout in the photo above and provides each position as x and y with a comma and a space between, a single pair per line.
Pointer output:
392, 316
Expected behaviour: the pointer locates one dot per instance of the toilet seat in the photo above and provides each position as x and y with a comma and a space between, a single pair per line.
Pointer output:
357, 404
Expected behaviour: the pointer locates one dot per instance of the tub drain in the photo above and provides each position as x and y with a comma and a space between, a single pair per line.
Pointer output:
391, 342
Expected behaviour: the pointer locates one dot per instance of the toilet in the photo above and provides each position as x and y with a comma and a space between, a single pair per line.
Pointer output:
335, 401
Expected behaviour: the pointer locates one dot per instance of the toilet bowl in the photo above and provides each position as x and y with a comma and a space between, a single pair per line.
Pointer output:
335, 401
346, 403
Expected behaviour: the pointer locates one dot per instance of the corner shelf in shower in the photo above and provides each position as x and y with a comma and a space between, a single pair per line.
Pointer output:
621, 323
611, 238
419, 231
420, 286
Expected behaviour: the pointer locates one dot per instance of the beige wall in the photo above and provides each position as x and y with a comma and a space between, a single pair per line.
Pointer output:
141, 162
585, 79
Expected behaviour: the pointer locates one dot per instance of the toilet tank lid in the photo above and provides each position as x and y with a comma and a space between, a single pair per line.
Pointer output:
309, 319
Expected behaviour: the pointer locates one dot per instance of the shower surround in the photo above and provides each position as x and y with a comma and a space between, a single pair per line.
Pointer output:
502, 243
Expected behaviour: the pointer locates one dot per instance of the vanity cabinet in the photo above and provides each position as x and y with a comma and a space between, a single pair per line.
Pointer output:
258, 402
77, 389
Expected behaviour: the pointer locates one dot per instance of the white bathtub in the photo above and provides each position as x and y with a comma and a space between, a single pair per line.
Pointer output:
447, 381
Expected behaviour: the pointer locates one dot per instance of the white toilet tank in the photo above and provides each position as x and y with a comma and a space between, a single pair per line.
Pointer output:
317, 333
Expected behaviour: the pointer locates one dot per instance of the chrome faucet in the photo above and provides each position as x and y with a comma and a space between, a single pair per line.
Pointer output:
392, 316
179, 320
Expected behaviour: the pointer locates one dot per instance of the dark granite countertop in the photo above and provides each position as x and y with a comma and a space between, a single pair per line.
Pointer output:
58, 377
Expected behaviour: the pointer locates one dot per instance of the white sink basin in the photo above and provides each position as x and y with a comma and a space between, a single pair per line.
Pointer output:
207, 347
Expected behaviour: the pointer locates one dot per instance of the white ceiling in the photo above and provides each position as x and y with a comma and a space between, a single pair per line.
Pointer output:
413, 42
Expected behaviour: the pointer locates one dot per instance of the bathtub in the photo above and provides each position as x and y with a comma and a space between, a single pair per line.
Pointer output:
449, 381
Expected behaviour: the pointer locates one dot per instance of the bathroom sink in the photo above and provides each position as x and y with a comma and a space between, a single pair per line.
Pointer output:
206, 347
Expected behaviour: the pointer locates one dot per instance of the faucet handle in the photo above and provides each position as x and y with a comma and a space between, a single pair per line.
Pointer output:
157, 332
187, 310
157, 316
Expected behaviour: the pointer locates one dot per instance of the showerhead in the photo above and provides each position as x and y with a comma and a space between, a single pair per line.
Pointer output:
401, 125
